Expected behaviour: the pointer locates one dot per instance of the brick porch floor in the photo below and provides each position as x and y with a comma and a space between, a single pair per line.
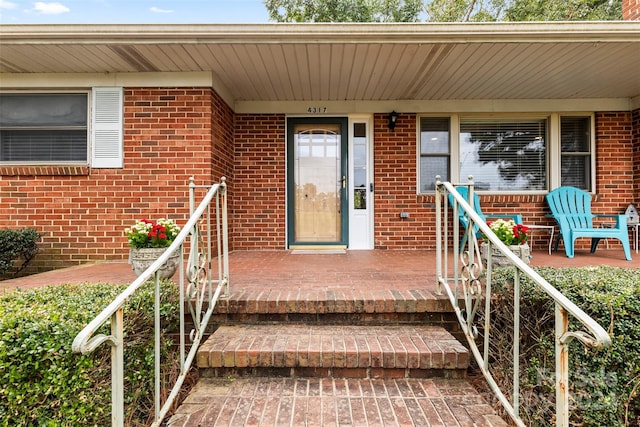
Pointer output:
381, 270
375, 282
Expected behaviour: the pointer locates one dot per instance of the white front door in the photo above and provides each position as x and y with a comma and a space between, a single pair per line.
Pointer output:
360, 184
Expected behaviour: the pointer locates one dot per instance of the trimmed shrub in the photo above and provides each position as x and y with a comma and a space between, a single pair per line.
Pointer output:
604, 384
42, 382
17, 249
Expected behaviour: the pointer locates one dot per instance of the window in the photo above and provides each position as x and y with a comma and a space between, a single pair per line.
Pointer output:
60, 128
435, 156
507, 152
43, 128
504, 154
575, 147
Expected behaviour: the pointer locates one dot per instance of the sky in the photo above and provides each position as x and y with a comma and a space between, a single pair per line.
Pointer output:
132, 12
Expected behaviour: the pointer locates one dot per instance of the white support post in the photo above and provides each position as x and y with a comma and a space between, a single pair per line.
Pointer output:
562, 367
117, 369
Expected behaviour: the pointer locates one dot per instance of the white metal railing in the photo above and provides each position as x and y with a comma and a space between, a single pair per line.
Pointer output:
198, 290
463, 285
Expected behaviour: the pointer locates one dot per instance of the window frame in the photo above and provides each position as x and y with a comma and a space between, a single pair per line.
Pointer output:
553, 149
449, 154
591, 153
87, 128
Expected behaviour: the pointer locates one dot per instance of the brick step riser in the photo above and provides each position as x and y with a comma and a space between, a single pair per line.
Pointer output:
333, 351
355, 373
282, 303
446, 320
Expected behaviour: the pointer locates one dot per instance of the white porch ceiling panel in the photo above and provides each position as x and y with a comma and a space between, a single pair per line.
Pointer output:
356, 62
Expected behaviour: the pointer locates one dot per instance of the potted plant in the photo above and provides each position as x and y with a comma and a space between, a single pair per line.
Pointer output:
148, 241
511, 234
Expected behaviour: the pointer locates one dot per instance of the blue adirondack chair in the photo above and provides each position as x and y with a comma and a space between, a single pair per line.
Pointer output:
571, 208
464, 219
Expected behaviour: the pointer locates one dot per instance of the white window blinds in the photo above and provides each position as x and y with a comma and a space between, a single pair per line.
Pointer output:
504, 154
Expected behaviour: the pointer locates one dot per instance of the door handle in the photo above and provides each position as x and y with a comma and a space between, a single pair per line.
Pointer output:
371, 187
344, 181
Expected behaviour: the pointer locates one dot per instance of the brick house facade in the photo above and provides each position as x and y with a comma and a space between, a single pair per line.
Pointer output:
172, 133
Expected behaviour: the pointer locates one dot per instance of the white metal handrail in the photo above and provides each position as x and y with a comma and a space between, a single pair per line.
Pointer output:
466, 281
197, 290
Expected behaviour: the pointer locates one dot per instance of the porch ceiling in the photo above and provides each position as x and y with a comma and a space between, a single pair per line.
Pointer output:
350, 62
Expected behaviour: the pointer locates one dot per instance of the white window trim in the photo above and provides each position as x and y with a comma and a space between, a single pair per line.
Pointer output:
555, 180
553, 146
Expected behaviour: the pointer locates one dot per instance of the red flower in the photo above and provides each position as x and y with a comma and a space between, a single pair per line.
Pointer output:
520, 233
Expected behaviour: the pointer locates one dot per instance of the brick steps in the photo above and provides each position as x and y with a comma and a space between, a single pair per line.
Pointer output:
337, 306
278, 301
295, 402
389, 351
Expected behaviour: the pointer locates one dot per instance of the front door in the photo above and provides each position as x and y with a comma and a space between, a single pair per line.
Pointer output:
317, 181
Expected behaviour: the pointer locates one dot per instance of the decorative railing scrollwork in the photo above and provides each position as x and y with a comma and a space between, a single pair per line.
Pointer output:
199, 292
466, 277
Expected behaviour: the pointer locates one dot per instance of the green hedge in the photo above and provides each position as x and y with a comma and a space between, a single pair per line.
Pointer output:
42, 383
17, 249
604, 384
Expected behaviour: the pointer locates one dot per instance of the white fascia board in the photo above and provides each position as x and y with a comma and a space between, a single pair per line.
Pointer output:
415, 106
323, 32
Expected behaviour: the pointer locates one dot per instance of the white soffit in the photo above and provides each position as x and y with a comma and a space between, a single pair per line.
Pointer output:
269, 64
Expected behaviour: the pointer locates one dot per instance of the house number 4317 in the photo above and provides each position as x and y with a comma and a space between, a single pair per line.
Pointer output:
316, 110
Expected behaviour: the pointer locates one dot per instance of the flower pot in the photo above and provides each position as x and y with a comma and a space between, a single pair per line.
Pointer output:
141, 259
498, 259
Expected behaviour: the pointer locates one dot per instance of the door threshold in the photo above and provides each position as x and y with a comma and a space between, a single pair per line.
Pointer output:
318, 249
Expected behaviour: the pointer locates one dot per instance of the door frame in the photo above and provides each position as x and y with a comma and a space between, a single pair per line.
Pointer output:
343, 122
361, 224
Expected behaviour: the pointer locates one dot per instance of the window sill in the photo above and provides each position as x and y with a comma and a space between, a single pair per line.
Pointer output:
44, 170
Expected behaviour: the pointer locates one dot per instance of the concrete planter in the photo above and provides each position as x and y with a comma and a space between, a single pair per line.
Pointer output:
499, 260
141, 259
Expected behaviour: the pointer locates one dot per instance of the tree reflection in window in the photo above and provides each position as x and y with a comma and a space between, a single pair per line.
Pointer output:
504, 154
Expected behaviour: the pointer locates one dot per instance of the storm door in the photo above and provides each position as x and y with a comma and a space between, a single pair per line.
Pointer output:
317, 181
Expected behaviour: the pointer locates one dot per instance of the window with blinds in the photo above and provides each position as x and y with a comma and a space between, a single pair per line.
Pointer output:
435, 151
43, 128
575, 147
504, 154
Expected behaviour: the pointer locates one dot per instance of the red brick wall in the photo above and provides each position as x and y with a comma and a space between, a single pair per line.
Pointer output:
167, 139
614, 162
395, 188
259, 184
222, 128
222, 156
636, 155
631, 10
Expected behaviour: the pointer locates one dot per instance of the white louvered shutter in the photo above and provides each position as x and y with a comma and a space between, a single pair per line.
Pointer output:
106, 127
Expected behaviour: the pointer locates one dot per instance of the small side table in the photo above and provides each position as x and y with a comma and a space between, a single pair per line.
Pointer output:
550, 228
634, 227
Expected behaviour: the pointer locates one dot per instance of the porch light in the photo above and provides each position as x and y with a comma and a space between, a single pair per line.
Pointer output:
393, 118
